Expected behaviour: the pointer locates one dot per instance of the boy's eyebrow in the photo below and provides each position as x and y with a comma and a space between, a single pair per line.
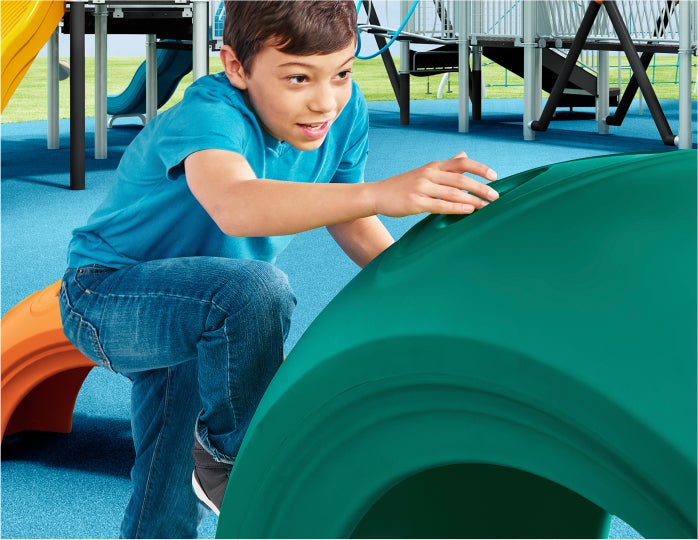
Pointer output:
295, 63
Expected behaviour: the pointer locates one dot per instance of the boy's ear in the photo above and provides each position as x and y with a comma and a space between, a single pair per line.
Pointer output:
233, 68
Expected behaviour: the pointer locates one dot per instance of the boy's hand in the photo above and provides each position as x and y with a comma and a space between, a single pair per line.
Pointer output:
439, 187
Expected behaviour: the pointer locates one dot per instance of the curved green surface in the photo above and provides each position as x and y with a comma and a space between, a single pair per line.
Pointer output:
537, 359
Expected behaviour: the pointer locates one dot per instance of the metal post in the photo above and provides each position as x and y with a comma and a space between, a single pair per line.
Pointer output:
200, 38
538, 86
463, 30
476, 71
476, 74
52, 137
602, 91
151, 77
404, 97
77, 95
100, 15
530, 67
568, 65
685, 135
640, 74
386, 55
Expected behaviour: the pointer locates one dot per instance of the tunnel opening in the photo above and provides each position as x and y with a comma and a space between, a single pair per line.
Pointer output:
481, 501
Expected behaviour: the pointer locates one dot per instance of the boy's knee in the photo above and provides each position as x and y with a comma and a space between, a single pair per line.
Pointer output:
262, 288
275, 286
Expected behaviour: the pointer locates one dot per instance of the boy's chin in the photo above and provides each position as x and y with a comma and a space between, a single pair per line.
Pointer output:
307, 145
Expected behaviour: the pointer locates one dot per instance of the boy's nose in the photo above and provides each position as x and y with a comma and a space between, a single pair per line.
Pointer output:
323, 100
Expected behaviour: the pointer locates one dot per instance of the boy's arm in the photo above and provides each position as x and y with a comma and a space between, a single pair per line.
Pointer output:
361, 239
242, 205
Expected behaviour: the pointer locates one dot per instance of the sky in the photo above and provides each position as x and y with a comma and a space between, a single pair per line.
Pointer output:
117, 45
134, 45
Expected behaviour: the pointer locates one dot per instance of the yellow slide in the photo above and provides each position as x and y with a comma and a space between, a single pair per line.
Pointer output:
26, 27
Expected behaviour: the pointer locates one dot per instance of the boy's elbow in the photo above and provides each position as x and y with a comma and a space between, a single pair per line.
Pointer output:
232, 227
240, 224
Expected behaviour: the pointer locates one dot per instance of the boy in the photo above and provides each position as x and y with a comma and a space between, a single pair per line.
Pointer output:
171, 282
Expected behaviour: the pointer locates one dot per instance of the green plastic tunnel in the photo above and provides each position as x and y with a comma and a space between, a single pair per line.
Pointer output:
524, 371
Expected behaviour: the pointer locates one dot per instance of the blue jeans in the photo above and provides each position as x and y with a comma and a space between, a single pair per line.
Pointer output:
201, 338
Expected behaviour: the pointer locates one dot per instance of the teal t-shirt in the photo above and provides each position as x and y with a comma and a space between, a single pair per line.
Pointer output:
150, 212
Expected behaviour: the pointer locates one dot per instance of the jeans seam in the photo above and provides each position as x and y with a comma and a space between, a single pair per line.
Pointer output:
269, 294
228, 315
210, 301
170, 296
78, 320
229, 382
156, 451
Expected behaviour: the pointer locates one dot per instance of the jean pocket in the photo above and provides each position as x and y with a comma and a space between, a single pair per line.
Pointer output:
85, 337
90, 277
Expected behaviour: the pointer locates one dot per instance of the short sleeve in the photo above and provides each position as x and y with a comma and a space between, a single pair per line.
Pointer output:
210, 118
355, 147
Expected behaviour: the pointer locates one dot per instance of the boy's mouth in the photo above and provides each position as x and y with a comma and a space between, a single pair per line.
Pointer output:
315, 130
316, 125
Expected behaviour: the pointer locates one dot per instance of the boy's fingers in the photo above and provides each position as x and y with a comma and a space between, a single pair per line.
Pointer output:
462, 182
454, 195
462, 164
439, 206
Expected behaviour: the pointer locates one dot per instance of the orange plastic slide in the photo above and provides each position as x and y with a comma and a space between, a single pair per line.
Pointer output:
41, 370
26, 27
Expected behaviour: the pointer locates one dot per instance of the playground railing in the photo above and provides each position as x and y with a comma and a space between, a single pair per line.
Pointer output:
654, 21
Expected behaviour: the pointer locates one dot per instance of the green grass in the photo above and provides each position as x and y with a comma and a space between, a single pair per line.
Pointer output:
29, 101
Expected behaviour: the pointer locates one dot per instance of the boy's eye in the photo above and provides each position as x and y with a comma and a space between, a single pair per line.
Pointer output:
344, 74
297, 79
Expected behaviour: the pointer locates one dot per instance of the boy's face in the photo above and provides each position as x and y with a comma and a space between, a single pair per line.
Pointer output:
296, 98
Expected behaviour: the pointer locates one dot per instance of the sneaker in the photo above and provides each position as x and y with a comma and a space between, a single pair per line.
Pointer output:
210, 478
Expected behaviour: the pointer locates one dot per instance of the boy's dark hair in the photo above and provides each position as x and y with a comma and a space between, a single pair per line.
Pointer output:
301, 27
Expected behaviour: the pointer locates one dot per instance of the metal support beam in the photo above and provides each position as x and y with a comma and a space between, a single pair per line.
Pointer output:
476, 77
404, 97
602, 93
639, 72
462, 26
77, 96
531, 69
685, 105
100, 15
151, 77
52, 136
200, 38
570, 61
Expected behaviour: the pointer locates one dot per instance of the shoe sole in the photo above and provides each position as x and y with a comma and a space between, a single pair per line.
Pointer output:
199, 491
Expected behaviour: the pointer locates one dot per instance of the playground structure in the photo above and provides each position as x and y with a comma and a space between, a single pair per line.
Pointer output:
528, 389
422, 405
33, 23
526, 36
513, 373
173, 63
541, 41
41, 370
19, 47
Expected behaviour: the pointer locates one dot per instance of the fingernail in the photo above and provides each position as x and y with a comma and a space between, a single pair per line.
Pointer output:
490, 174
468, 209
492, 195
